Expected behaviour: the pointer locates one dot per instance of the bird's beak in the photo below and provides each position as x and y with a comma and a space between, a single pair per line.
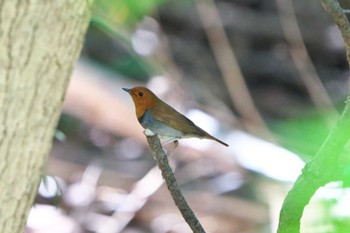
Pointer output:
127, 90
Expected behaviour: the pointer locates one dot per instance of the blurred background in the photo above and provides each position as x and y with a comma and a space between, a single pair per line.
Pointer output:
267, 77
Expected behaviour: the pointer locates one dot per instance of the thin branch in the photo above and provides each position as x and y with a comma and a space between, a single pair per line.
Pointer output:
168, 175
136, 199
230, 70
303, 62
334, 9
326, 165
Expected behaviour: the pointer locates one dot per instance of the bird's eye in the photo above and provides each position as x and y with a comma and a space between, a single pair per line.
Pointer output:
140, 93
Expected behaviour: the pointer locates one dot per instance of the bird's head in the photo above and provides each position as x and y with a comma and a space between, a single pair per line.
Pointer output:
143, 99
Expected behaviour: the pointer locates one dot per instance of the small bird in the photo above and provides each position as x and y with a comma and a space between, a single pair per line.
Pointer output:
163, 120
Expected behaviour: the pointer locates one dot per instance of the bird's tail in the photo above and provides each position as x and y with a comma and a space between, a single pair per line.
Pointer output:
208, 136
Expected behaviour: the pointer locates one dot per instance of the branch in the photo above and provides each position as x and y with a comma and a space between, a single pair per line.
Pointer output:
229, 68
338, 14
303, 62
326, 165
322, 169
168, 175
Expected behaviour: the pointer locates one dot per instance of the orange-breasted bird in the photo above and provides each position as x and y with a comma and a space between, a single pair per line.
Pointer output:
162, 119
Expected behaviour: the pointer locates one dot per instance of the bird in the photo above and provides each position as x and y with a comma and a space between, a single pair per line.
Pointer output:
162, 119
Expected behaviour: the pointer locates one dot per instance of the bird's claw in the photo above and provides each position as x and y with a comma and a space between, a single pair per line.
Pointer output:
176, 143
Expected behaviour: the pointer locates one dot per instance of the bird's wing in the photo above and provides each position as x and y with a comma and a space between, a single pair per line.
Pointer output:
169, 116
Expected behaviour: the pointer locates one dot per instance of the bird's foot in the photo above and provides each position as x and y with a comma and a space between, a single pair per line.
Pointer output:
176, 144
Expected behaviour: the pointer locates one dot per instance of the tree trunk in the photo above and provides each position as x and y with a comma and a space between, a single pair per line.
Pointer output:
39, 44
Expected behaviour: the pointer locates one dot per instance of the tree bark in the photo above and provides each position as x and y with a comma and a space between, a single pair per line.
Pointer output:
39, 44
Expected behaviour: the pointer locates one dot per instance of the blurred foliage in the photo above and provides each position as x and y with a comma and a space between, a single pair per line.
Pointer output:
346, 177
111, 29
110, 49
303, 135
68, 125
124, 13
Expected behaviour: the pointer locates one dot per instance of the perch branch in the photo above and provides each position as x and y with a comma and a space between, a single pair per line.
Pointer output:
326, 165
168, 175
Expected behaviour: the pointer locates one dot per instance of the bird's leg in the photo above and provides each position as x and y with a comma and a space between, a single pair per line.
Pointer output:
176, 143
167, 141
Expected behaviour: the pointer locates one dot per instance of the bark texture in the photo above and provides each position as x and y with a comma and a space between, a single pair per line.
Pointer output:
162, 160
39, 44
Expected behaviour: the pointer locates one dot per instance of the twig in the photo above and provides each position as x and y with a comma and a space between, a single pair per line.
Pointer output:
168, 175
136, 199
334, 9
303, 63
230, 70
326, 165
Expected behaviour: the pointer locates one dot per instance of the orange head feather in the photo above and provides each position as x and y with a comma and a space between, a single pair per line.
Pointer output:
143, 99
